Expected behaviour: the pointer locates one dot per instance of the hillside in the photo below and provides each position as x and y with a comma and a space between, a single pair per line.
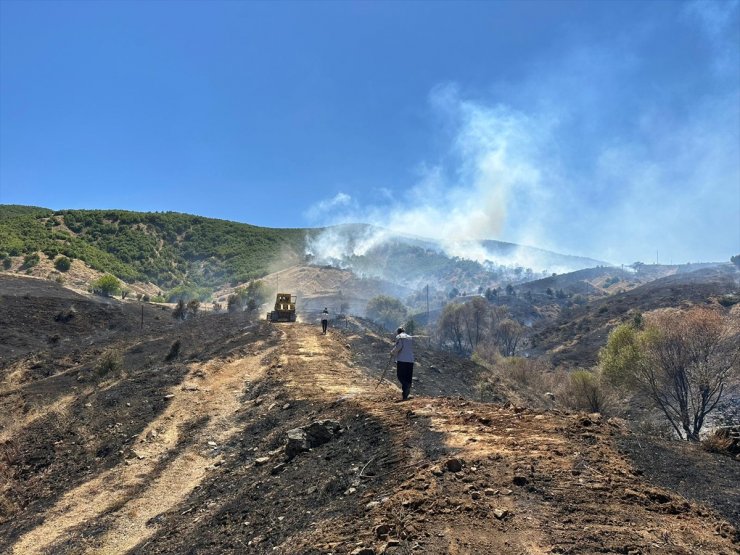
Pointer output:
167, 249
415, 261
192, 255
576, 334
193, 454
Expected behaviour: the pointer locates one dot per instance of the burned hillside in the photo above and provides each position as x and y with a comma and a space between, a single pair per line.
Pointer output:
198, 453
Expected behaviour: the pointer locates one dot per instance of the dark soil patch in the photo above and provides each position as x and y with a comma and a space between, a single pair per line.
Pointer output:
709, 478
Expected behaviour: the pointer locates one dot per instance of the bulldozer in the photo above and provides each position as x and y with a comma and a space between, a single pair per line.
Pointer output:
284, 309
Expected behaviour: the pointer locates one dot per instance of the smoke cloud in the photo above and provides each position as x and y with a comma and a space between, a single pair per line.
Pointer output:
581, 157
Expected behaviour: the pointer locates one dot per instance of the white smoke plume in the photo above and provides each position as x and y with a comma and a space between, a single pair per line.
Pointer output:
554, 168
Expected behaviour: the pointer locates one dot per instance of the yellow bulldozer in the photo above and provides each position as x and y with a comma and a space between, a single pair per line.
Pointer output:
284, 309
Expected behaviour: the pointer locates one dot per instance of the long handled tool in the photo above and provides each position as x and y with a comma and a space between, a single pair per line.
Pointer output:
384, 372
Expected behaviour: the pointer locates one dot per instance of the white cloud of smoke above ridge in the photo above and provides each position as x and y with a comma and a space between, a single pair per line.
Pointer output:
582, 161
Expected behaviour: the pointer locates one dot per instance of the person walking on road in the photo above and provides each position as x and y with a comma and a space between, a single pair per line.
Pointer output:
324, 320
404, 354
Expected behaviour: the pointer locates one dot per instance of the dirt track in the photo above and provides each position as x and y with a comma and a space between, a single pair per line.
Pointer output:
198, 465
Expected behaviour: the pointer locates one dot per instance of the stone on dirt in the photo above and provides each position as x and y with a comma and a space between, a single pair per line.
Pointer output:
307, 437
382, 530
500, 513
453, 465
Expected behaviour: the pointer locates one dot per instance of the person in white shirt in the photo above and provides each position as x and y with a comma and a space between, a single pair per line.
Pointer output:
324, 320
403, 352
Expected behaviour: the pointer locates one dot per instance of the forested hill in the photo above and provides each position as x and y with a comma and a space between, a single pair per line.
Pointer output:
165, 248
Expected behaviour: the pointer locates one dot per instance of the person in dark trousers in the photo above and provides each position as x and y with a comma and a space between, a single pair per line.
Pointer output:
404, 353
324, 320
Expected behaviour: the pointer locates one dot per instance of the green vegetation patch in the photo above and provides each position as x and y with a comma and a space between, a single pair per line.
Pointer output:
187, 254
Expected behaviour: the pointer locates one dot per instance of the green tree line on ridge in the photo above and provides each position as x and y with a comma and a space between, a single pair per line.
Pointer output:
166, 248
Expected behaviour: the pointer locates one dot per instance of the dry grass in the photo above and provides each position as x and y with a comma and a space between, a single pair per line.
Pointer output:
110, 361
721, 441
9, 454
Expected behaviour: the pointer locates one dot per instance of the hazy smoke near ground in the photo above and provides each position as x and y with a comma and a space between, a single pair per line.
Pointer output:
581, 158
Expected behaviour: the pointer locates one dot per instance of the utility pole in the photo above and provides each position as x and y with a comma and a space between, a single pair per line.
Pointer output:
427, 305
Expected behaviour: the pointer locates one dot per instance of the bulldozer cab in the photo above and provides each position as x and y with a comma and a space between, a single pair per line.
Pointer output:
284, 309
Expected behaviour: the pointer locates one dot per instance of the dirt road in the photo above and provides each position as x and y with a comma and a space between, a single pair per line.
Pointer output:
206, 473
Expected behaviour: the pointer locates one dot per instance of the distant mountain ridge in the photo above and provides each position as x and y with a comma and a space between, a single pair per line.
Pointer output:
501, 252
174, 250
415, 261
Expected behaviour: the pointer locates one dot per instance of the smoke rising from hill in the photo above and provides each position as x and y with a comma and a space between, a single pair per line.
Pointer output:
546, 162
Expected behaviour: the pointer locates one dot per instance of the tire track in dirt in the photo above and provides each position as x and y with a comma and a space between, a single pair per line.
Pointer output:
320, 367
557, 478
317, 366
162, 474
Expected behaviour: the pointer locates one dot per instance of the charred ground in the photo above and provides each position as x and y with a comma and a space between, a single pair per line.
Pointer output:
186, 455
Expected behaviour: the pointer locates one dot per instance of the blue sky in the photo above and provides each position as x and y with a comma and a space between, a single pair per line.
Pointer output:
608, 129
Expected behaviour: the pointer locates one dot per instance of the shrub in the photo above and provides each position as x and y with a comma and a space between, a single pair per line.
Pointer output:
683, 361
66, 315
528, 372
7, 263
180, 312
63, 264
193, 307
721, 441
187, 293
110, 361
584, 391
387, 311
107, 285
233, 303
174, 351
146, 298
30, 260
